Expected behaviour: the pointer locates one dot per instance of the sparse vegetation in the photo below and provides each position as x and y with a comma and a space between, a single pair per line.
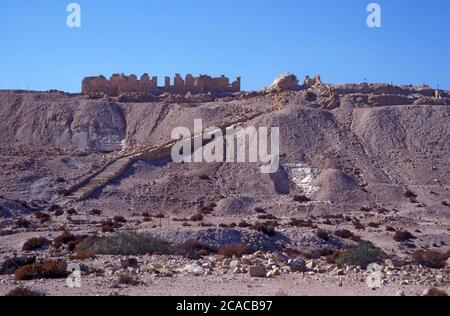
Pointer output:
35, 243
431, 259
46, 270
235, 250
301, 198
361, 255
403, 235
22, 223
42, 217
71, 212
193, 249
9, 266
23, 292
322, 234
196, 218
244, 224
127, 279
95, 212
126, 244
119, 219
346, 234
265, 228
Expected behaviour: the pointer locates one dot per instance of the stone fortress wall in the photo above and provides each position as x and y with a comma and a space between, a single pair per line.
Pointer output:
120, 84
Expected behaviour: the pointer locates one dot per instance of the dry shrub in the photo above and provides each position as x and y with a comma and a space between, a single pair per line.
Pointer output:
72, 212
53, 208
244, 224
267, 217
265, 228
109, 226
119, 219
196, 218
435, 292
22, 223
42, 217
235, 250
127, 279
431, 259
295, 222
390, 229
35, 243
409, 194
259, 210
24, 292
95, 212
160, 216
373, 225
301, 198
403, 235
47, 270
322, 234
59, 213
193, 249
9, 266
145, 214
346, 234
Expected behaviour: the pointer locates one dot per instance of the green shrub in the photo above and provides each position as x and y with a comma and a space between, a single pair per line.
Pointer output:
126, 244
361, 255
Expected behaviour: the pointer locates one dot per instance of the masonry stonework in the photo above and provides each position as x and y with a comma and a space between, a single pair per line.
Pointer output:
120, 84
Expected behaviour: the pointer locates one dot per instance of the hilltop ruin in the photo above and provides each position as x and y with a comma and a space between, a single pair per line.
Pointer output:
120, 84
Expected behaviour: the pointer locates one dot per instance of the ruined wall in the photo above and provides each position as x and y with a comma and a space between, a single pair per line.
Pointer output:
312, 81
120, 84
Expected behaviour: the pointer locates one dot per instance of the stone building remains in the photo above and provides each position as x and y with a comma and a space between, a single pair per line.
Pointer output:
119, 84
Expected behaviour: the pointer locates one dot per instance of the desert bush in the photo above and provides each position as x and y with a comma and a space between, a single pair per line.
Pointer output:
244, 224
361, 255
435, 292
126, 244
42, 217
322, 234
403, 235
235, 250
409, 194
259, 210
82, 255
71, 212
23, 292
160, 216
196, 218
295, 222
119, 219
35, 243
53, 208
390, 229
431, 259
145, 214
267, 217
265, 228
46, 270
193, 249
127, 279
301, 198
9, 266
95, 212
22, 223
59, 213
345, 234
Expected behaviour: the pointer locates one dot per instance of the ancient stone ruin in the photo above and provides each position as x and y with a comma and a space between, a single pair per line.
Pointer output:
120, 84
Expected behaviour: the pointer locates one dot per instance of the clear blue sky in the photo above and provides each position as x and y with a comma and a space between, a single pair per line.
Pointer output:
256, 39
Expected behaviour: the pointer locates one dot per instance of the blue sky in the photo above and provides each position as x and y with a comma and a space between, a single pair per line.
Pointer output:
255, 39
